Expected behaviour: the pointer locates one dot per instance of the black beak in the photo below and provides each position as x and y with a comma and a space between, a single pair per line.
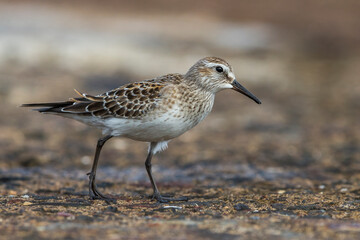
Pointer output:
239, 88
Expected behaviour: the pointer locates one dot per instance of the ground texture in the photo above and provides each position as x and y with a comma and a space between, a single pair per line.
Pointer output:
286, 169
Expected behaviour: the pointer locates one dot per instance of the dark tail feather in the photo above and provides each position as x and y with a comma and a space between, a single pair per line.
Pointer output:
54, 107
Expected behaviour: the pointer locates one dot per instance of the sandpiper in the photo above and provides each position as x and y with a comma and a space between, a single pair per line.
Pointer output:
153, 111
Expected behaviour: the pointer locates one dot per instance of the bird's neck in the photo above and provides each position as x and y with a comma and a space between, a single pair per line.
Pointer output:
200, 83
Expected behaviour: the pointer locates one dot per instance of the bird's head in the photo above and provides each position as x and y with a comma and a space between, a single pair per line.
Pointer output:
215, 74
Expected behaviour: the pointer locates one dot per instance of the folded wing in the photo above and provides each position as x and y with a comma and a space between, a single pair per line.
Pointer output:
132, 100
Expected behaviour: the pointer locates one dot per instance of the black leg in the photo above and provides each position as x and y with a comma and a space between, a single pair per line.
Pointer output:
156, 193
93, 191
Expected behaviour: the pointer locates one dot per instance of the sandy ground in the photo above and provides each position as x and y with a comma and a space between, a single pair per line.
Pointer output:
286, 169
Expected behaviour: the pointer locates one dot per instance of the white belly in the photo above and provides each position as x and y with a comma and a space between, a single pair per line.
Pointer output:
150, 130
161, 125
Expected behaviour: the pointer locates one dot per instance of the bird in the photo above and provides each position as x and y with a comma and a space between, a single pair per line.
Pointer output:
154, 111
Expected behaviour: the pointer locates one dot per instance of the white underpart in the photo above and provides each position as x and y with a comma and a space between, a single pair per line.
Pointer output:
160, 127
158, 147
157, 129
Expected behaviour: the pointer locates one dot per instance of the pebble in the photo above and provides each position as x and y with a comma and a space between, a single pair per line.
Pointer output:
173, 207
278, 206
12, 192
111, 209
241, 207
86, 160
25, 196
64, 214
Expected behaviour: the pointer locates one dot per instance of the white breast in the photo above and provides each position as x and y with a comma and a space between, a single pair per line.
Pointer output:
161, 125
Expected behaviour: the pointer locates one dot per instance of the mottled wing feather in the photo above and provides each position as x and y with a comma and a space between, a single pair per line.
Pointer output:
132, 100
129, 101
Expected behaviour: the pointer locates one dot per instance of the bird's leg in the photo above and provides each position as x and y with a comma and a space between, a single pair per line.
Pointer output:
156, 193
93, 191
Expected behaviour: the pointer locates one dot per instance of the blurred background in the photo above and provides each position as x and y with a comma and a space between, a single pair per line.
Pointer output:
286, 169
301, 58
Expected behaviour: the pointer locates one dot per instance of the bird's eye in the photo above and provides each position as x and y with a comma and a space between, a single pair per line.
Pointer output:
219, 69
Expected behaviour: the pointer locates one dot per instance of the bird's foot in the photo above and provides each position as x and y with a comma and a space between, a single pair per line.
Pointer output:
94, 193
162, 199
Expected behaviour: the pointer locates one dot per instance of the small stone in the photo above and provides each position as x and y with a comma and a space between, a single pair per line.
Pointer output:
278, 206
281, 191
27, 203
343, 190
111, 209
86, 160
67, 215
173, 207
321, 186
25, 196
241, 207
12, 192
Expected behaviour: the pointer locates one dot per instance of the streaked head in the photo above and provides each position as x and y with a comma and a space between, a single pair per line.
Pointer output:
215, 74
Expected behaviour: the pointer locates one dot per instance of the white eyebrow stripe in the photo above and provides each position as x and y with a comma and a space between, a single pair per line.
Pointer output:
211, 64
226, 68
